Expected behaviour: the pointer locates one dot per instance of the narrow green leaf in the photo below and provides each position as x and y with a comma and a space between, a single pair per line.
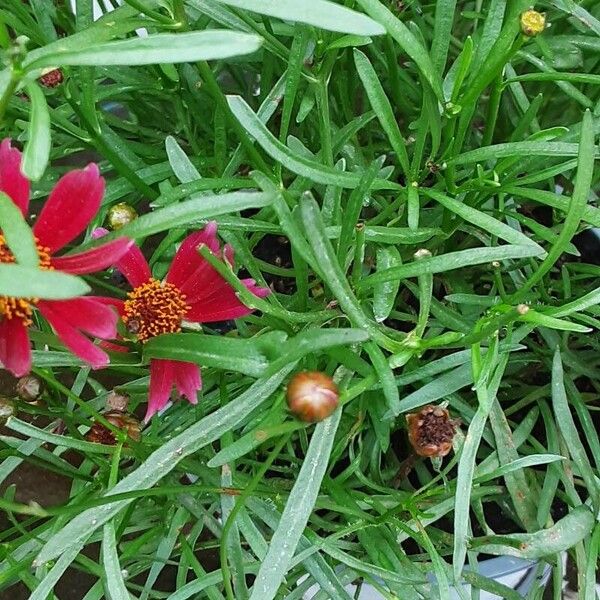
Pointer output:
384, 294
17, 233
450, 261
182, 166
113, 573
161, 462
298, 509
162, 48
543, 320
442, 32
37, 149
319, 13
27, 282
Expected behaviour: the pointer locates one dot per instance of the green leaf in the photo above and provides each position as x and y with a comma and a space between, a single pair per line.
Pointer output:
294, 162
113, 580
542, 320
319, 13
482, 220
161, 462
442, 32
231, 354
26, 282
37, 149
155, 49
450, 261
384, 294
408, 42
564, 534
182, 166
298, 509
17, 233
382, 108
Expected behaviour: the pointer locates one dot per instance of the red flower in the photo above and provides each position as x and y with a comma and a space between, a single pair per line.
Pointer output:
70, 207
192, 291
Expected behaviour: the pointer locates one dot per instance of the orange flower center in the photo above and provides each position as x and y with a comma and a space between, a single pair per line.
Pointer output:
154, 308
20, 308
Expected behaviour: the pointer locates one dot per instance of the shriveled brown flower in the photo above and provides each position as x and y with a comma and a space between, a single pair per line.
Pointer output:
29, 388
52, 78
312, 396
100, 434
431, 431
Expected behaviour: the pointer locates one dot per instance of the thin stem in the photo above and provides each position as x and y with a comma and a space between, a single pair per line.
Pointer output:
8, 92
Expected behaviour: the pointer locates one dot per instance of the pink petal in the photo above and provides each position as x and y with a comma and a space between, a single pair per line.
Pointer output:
12, 182
75, 341
187, 380
187, 260
15, 351
85, 313
132, 264
93, 260
119, 305
162, 378
224, 304
72, 204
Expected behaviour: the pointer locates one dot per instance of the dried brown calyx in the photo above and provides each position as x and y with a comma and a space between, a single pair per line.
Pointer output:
431, 431
100, 434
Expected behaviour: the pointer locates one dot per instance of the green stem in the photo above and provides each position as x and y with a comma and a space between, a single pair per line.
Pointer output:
8, 92
236, 509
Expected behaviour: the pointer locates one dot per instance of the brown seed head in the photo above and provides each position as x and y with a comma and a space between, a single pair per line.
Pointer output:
99, 434
29, 388
431, 431
7, 409
312, 396
52, 78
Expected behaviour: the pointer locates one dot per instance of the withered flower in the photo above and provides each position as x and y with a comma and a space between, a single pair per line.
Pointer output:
52, 78
532, 22
431, 431
29, 388
100, 434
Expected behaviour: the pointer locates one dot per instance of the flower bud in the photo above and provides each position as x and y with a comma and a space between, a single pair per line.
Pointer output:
431, 431
7, 409
99, 434
532, 23
120, 215
29, 388
52, 78
312, 396
117, 402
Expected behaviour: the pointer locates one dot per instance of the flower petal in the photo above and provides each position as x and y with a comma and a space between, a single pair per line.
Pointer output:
187, 380
224, 304
15, 351
187, 260
132, 264
72, 204
162, 378
75, 341
12, 182
85, 313
93, 260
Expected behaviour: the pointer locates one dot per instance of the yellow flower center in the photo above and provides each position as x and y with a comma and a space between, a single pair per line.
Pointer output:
20, 308
154, 308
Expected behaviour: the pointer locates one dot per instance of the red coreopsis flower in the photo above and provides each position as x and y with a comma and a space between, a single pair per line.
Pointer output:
192, 291
68, 210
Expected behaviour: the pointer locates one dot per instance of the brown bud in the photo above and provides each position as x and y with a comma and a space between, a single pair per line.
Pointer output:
120, 215
117, 402
52, 78
7, 409
431, 431
100, 434
532, 22
29, 388
312, 396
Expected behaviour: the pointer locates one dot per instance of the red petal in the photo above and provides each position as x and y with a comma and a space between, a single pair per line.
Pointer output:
72, 204
93, 260
75, 341
162, 378
132, 264
12, 182
85, 313
187, 260
119, 305
187, 380
224, 304
15, 351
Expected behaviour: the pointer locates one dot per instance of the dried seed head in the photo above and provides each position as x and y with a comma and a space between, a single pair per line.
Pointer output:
29, 388
7, 409
100, 434
117, 402
431, 431
532, 22
312, 396
52, 78
120, 215
522, 309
